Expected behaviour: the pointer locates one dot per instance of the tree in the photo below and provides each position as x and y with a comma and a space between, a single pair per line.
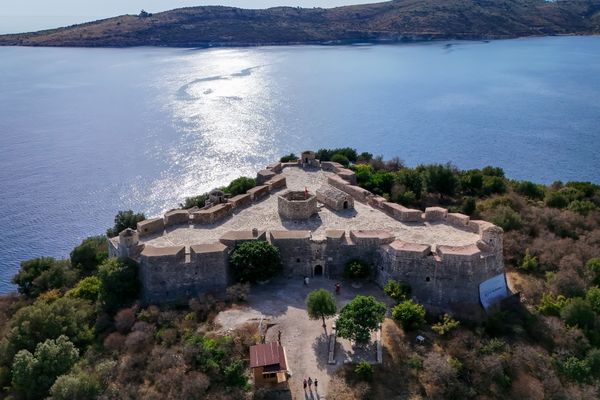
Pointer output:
75, 386
341, 159
89, 254
593, 298
195, 201
124, 220
289, 158
41, 321
239, 185
254, 261
359, 317
356, 269
399, 291
320, 304
34, 374
579, 313
440, 179
39, 275
410, 315
119, 283
87, 289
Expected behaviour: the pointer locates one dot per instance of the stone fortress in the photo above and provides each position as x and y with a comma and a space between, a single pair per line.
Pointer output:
319, 219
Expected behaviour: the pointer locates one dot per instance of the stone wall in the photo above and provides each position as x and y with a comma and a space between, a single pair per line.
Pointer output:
150, 226
212, 214
296, 205
177, 217
295, 250
334, 198
168, 274
258, 192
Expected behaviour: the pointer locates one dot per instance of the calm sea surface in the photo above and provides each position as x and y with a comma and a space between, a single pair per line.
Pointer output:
87, 132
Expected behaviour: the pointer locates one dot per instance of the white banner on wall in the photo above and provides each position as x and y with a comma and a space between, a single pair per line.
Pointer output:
493, 290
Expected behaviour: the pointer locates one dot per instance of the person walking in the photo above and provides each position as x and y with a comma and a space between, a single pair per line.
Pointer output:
306, 281
305, 384
309, 383
316, 384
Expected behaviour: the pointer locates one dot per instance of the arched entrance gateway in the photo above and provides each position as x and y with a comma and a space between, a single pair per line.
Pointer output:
345, 205
318, 271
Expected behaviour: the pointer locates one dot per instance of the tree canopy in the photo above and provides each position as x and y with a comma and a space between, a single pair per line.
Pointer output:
320, 303
39, 275
254, 261
410, 315
123, 220
359, 317
119, 283
34, 374
89, 254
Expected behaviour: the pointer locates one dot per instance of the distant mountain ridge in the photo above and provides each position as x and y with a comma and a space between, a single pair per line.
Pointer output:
398, 20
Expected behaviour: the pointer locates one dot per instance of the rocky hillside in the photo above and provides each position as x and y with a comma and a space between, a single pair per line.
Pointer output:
390, 21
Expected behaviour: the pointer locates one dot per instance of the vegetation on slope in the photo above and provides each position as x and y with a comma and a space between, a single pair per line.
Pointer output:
83, 313
387, 21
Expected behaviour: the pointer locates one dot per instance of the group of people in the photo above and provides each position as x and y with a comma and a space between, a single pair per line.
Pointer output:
309, 383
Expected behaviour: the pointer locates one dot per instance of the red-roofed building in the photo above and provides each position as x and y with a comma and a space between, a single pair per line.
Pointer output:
268, 363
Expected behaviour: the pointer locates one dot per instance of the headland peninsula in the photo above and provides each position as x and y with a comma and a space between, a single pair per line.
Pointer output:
386, 22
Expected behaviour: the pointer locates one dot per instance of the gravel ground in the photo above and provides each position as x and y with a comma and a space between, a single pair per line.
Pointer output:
264, 216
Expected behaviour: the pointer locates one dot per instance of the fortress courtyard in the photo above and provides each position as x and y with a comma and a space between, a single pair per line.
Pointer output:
264, 216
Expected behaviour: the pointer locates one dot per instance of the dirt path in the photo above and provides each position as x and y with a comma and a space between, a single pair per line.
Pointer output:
281, 305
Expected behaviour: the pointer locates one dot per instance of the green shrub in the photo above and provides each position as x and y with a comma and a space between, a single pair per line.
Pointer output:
593, 361
494, 345
550, 305
583, 207
87, 289
575, 369
493, 171
254, 261
124, 220
410, 315
579, 312
593, 267
415, 362
89, 254
364, 157
529, 262
341, 159
39, 275
364, 371
439, 178
119, 283
556, 200
40, 321
75, 386
327, 154
357, 269
235, 374
239, 185
530, 190
468, 206
507, 218
493, 184
289, 158
34, 374
445, 326
592, 296
195, 201
471, 181
399, 291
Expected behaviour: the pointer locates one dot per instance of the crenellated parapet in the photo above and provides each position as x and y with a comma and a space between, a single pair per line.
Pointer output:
444, 272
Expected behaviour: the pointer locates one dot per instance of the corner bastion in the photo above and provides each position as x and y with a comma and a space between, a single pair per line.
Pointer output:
319, 220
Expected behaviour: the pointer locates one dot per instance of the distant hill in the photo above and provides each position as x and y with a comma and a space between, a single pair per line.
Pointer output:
397, 20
